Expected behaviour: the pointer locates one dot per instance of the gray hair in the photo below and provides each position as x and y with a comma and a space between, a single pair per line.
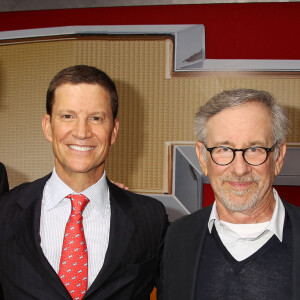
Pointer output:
232, 98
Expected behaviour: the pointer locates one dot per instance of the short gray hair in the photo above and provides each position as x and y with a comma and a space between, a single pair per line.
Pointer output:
231, 98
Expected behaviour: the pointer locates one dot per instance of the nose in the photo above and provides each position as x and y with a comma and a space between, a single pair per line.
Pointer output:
239, 166
82, 129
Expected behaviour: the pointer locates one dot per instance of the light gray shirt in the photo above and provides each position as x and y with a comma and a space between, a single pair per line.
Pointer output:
55, 213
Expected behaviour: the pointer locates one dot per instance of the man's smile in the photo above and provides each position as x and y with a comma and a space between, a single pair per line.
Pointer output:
239, 184
81, 148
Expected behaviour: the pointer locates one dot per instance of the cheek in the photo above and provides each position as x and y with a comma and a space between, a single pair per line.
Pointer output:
267, 172
56, 138
58, 134
103, 136
215, 171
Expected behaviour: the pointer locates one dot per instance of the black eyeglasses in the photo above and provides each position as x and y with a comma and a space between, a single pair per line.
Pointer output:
254, 156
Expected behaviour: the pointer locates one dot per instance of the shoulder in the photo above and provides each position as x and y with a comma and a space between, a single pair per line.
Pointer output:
3, 173
148, 214
138, 206
194, 221
185, 236
292, 210
15, 202
23, 191
134, 199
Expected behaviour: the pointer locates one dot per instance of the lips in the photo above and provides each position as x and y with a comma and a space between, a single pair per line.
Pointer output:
240, 185
81, 148
243, 182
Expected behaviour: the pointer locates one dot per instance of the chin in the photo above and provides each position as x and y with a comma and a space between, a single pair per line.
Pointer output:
80, 169
239, 203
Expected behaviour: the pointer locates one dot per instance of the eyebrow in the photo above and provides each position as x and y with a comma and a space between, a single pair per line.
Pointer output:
74, 112
66, 111
254, 143
100, 113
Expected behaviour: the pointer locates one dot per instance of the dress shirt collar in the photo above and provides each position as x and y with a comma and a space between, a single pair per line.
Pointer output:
275, 225
56, 190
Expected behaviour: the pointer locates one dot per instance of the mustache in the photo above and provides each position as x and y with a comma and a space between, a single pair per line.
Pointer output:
246, 178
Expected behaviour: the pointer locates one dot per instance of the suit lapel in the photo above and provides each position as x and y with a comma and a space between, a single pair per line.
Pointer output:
196, 239
184, 240
26, 229
121, 232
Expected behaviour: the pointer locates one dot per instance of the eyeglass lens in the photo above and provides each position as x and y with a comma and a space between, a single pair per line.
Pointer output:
252, 155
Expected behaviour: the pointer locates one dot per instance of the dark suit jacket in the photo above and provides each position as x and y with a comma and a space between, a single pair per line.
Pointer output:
3, 179
183, 246
138, 225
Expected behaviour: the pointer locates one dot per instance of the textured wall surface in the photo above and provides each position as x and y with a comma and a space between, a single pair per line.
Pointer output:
153, 109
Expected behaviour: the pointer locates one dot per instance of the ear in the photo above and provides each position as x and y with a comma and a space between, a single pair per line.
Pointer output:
46, 124
115, 131
279, 160
202, 160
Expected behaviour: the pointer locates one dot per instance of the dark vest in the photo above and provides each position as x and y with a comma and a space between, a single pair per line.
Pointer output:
266, 274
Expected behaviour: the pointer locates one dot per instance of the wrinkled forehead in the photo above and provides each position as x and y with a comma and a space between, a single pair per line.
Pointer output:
241, 125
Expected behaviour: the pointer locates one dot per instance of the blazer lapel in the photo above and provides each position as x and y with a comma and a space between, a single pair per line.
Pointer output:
121, 232
26, 229
198, 231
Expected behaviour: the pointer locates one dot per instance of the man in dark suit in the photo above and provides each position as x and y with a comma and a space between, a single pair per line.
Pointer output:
3, 179
118, 234
246, 245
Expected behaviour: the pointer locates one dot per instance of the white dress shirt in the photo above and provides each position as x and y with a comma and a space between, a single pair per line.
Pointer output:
55, 213
242, 240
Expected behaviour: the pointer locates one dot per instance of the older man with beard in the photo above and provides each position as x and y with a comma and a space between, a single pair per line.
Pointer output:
246, 245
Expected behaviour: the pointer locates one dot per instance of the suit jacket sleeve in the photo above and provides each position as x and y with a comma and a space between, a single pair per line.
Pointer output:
3, 179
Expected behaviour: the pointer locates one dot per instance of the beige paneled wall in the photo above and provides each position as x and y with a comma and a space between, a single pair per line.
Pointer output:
153, 109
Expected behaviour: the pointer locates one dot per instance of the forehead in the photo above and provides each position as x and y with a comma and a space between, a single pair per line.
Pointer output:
241, 126
83, 94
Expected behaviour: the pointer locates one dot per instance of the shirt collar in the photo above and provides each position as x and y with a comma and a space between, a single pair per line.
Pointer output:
56, 190
276, 222
213, 217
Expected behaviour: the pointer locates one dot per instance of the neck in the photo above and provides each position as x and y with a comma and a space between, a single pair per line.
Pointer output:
78, 182
262, 213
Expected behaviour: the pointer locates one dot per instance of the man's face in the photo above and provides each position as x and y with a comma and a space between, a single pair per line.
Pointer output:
240, 186
81, 129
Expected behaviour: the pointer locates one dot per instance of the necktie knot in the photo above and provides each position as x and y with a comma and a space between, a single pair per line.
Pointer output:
78, 202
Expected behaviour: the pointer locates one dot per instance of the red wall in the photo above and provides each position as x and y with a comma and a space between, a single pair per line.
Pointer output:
233, 31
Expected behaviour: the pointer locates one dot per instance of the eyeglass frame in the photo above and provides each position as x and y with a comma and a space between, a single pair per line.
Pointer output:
268, 151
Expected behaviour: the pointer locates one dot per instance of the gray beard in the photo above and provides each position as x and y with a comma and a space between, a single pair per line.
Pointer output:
225, 197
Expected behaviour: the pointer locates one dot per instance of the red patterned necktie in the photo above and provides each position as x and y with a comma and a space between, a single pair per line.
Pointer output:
73, 268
